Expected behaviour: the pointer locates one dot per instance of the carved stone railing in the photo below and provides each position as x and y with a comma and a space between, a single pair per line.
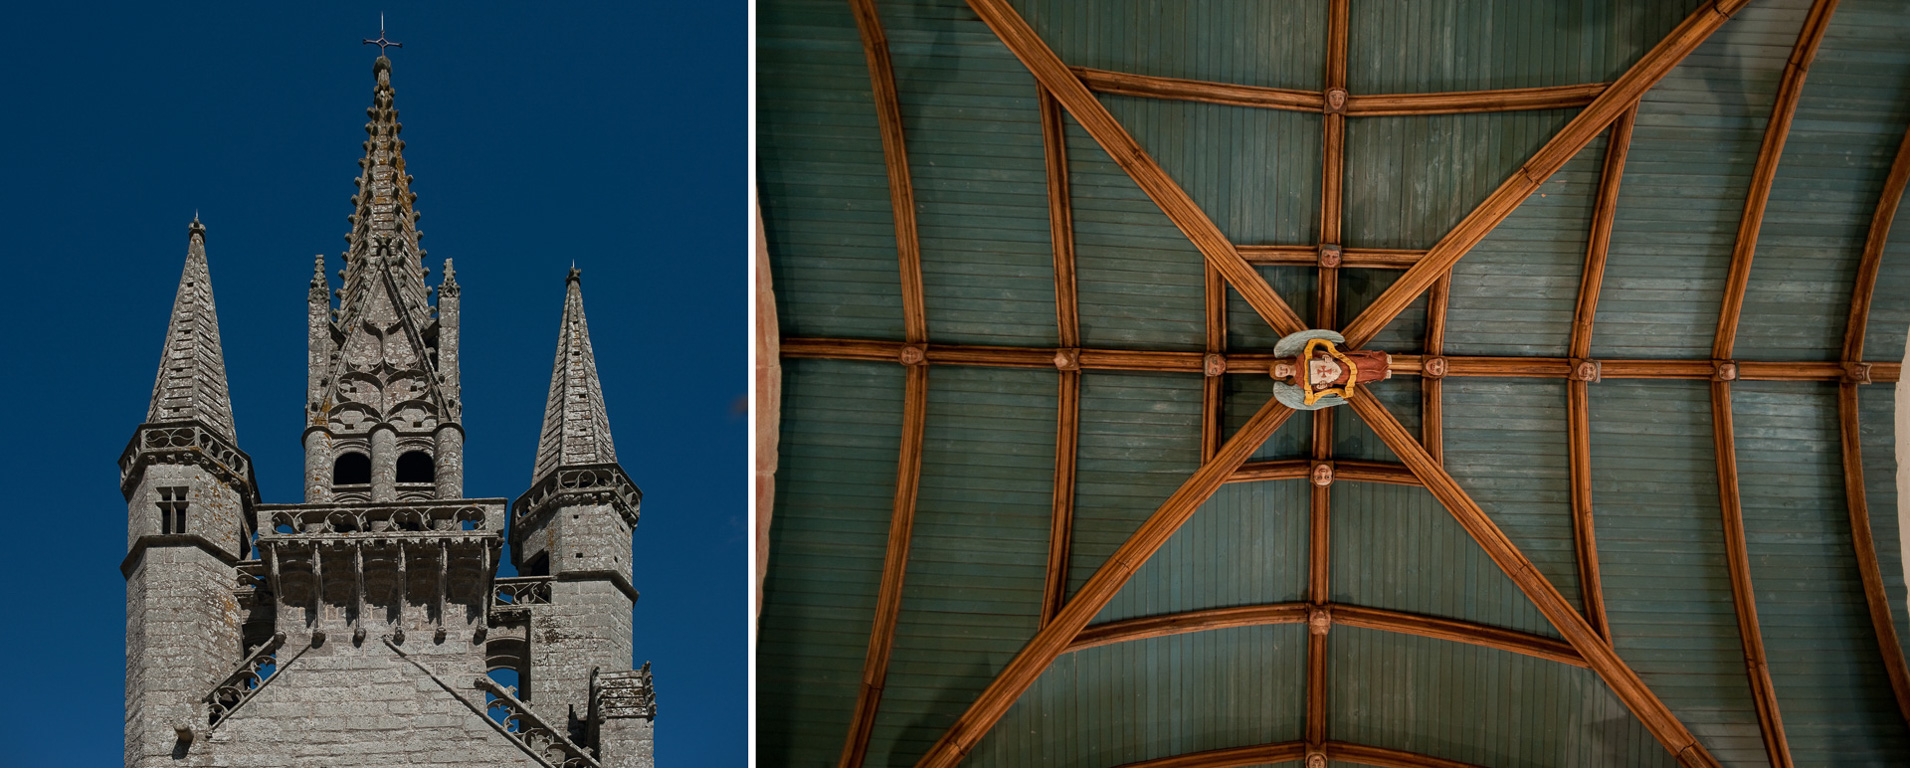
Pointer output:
586, 484
383, 517
528, 729
186, 442
252, 674
512, 596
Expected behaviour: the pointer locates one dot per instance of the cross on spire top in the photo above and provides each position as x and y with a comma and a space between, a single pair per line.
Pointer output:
381, 42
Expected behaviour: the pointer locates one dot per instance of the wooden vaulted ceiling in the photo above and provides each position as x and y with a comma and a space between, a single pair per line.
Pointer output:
919, 611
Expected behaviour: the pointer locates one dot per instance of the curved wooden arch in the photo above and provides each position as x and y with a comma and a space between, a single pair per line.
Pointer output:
1283, 751
1369, 105
1438, 628
1857, 502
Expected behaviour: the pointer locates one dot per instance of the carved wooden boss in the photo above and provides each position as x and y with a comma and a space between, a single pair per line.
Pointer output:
1312, 372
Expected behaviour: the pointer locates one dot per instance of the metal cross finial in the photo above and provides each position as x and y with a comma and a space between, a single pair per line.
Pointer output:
381, 42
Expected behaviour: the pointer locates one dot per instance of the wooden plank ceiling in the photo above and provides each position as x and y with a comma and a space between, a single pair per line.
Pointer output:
1627, 499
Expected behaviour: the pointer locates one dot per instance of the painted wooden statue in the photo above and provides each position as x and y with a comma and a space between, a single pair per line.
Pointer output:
1313, 373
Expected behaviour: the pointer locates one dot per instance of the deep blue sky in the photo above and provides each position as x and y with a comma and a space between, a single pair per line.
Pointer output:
611, 134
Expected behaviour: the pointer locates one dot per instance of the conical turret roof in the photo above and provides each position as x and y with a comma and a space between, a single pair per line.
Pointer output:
576, 423
191, 385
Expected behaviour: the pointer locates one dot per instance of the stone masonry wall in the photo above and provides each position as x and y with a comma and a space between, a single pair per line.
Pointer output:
182, 638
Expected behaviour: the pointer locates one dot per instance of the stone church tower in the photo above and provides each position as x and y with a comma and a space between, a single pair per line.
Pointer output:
360, 626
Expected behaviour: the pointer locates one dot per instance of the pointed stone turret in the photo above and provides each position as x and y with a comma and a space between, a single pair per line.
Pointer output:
575, 526
383, 409
576, 423
191, 385
190, 500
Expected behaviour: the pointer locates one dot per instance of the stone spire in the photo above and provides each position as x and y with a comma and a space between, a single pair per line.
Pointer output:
386, 326
191, 385
576, 424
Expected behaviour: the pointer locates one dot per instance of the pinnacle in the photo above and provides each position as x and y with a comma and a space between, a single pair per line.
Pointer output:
576, 422
191, 385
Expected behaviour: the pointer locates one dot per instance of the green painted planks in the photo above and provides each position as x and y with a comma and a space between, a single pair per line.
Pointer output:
1409, 180
1246, 330
1138, 278
841, 436
1395, 547
1686, 178
1831, 687
978, 553
823, 187
1506, 445
1397, 46
1879, 437
1517, 291
1153, 698
1352, 439
1243, 394
1254, 172
1849, 122
1890, 303
1245, 546
1140, 439
1477, 705
1661, 557
975, 156
1245, 42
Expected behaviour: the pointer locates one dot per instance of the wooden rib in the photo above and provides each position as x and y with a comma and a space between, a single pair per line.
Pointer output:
1373, 105
1093, 117
1191, 621
1053, 639
1623, 93
895, 561
1212, 389
1880, 222
1597, 653
1350, 258
1505, 100
1381, 757
1432, 392
1061, 521
1326, 315
1738, 564
1435, 627
1054, 145
1230, 757
1862, 542
1126, 84
1866, 550
1068, 325
1789, 89
1578, 432
1592, 280
895, 156
1344, 470
1458, 632
1578, 427
1190, 362
1288, 751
